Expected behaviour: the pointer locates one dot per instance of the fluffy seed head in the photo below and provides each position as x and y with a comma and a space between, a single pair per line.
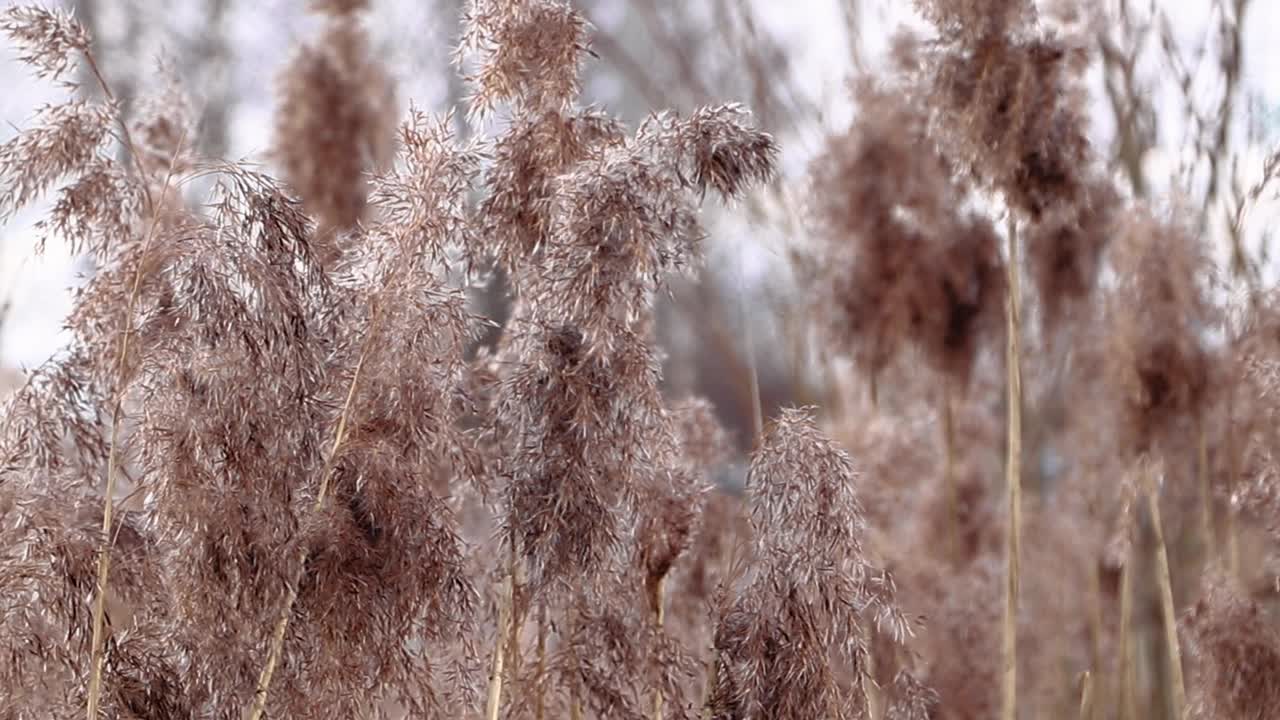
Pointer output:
49, 40
902, 263
335, 123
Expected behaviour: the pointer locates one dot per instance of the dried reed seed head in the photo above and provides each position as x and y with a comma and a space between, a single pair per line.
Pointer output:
1008, 103
529, 53
163, 128
704, 443
335, 123
622, 219
970, 20
615, 656
910, 699
671, 503
50, 40
515, 216
905, 263
1009, 99
667, 526
620, 225
802, 492
52, 425
809, 594
1014, 114
1235, 651
782, 654
423, 201
717, 147
1159, 313
588, 428
64, 139
383, 564
1065, 248
94, 213
338, 8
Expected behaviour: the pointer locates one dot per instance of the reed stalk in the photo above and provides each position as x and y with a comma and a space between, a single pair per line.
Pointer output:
1124, 644
1013, 479
659, 619
1086, 696
1177, 684
1206, 492
500, 648
949, 474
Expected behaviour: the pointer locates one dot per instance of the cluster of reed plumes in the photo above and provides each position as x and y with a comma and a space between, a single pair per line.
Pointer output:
275, 473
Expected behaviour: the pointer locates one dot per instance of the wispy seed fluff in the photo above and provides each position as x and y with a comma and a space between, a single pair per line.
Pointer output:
49, 40
336, 119
531, 53
1235, 651
589, 223
902, 262
1007, 98
338, 7
627, 217
526, 56
583, 428
64, 139
1159, 314
809, 593
673, 502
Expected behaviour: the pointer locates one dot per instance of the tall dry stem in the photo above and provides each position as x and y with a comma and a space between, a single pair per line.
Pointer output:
1206, 491
502, 643
949, 472
1013, 479
711, 677
540, 694
1178, 687
1124, 643
659, 619
875, 702
1086, 696
1233, 542
1233, 470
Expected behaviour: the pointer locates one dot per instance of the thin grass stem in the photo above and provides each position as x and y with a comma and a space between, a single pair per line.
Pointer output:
1013, 479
